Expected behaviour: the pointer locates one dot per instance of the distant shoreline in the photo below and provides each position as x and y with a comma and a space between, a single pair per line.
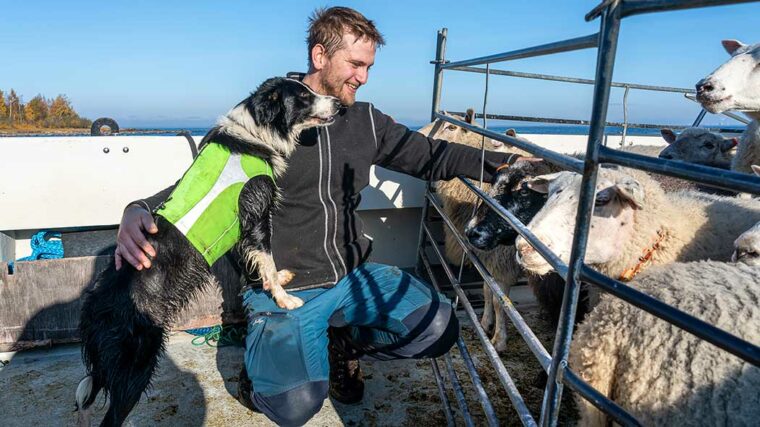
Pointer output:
6, 132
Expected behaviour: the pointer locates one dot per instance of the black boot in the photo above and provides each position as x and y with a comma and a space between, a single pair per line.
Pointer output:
245, 389
346, 380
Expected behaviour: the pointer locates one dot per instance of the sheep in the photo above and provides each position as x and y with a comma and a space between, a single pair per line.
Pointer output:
747, 246
635, 219
735, 85
700, 146
661, 374
458, 204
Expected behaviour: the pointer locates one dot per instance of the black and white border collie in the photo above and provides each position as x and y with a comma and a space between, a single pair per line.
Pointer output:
127, 314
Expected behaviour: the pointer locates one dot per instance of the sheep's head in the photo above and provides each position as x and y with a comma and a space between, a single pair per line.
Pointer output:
700, 146
453, 133
747, 246
618, 197
735, 85
509, 187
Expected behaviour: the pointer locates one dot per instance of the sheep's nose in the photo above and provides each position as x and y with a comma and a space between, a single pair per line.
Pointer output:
526, 249
705, 87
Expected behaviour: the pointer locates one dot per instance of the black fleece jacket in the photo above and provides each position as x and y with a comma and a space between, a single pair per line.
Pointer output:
316, 233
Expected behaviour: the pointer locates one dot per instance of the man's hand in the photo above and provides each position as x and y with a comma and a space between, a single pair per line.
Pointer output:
131, 244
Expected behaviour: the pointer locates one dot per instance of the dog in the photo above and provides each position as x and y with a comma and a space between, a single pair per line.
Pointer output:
127, 314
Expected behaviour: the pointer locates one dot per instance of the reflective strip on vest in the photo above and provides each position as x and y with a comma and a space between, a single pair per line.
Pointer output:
204, 205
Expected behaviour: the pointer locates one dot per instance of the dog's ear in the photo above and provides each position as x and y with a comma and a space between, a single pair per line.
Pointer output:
266, 103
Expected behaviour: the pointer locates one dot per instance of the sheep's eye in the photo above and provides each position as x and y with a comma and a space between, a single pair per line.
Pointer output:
709, 145
451, 127
602, 199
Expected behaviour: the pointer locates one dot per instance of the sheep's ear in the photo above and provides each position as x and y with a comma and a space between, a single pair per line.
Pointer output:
540, 184
728, 143
632, 192
511, 132
668, 135
732, 46
470, 116
756, 169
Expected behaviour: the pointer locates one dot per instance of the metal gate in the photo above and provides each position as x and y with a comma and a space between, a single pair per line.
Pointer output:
611, 12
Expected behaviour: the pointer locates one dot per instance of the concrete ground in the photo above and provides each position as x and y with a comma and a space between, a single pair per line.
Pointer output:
195, 386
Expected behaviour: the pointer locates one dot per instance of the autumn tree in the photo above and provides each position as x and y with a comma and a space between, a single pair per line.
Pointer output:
14, 106
36, 110
3, 107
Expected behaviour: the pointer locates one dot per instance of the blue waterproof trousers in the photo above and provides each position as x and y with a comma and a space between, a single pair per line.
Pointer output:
390, 315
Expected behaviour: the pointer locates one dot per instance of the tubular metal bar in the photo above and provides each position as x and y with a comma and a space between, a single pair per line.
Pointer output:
568, 45
598, 399
709, 333
493, 420
573, 80
442, 392
521, 228
713, 177
560, 160
638, 7
506, 304
493, 356
578, 122
699, 118
461, 401
609, 29
440, 55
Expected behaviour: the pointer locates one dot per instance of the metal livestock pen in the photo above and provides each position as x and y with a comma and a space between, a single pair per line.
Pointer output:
611, 12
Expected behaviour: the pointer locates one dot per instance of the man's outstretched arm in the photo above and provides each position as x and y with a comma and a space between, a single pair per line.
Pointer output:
404, 150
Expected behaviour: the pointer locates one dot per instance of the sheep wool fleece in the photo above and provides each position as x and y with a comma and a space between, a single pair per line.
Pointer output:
204, 204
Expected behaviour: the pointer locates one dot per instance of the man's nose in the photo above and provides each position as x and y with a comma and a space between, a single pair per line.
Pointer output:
362, 75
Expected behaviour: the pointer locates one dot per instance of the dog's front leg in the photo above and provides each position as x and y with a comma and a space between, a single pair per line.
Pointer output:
255, 204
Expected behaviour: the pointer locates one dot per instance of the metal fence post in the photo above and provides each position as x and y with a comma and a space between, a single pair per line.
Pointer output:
440, 55
608, 37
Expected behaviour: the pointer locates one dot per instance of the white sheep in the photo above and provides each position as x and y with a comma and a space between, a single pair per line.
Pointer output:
700, 146
661, 374
735, 85
634, 219
747, 246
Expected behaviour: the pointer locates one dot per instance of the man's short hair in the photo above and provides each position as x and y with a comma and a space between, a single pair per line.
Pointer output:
327, 26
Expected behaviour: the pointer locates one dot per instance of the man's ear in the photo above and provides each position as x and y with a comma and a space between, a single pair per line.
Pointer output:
318, 56
668, 135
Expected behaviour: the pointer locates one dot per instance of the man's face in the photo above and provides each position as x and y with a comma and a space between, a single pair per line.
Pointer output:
343, 73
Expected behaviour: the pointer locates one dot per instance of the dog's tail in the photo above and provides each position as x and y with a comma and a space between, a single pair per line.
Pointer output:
87, 391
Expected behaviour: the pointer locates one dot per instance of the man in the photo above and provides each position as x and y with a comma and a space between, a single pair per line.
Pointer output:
374, 311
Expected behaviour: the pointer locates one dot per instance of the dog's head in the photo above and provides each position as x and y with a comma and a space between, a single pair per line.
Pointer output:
288, 107
276, 114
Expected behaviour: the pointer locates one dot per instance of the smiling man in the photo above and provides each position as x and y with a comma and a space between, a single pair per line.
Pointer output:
367, 310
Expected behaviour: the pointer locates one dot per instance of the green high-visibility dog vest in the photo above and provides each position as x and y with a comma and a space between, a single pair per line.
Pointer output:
204, 204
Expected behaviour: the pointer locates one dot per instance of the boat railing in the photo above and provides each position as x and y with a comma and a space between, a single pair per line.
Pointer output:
576, 270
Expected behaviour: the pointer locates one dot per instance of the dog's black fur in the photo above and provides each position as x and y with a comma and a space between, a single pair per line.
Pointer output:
127, 314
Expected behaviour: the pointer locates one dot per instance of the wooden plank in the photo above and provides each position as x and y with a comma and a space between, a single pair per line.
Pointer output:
40, 303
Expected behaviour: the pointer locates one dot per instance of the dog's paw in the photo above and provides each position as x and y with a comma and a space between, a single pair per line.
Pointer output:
289, 302
285, 276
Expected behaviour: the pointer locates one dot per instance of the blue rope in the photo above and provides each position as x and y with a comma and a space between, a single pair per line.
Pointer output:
45, 245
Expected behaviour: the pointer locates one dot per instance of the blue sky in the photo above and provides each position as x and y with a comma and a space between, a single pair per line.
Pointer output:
183, 63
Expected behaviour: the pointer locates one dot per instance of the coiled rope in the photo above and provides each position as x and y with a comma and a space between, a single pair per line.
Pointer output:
219, 335
45, 245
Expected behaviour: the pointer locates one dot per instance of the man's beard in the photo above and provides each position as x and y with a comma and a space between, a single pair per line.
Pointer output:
336, 90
